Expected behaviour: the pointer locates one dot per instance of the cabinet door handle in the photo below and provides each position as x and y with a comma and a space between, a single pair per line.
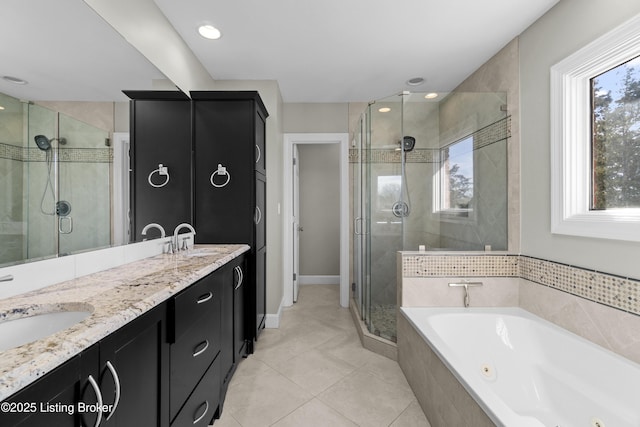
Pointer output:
238, 270
258, 215
96, 390
204, 298
206, 409
258, 153
203, 349
116, 380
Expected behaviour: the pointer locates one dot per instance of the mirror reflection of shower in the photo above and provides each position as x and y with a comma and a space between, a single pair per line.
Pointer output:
45, 144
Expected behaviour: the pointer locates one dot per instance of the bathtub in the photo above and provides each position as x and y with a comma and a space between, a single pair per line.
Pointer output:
524, 371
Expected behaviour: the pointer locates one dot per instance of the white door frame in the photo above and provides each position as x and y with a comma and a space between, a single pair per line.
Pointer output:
287, 251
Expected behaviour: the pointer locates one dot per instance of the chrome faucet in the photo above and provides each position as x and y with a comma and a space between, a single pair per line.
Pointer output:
465, 285
153, 225
177, 230
6, 278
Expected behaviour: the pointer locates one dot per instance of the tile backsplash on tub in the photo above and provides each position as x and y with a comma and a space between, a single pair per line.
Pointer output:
608, 289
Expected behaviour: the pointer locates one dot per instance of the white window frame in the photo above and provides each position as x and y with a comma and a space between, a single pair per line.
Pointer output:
571, 138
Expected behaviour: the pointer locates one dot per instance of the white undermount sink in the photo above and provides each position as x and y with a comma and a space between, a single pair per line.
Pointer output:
39, 322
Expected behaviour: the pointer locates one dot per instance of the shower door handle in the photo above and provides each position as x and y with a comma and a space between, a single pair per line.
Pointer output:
357, 221
65, 225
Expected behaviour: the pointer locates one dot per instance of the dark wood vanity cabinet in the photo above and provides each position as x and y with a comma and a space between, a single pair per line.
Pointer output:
218, 168
195, 351
128, 369
134, 366
171, 366
53, 400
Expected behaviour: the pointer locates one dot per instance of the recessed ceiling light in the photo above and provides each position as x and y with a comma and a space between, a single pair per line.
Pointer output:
15, 80
431, 95
384, 109
209, 32
1, 107
415, 81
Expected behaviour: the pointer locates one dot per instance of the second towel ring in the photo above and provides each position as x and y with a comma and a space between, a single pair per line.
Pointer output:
220, 171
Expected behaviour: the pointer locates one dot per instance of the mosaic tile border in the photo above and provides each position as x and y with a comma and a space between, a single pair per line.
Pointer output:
622, 293
488, 135
74, 155
446, 265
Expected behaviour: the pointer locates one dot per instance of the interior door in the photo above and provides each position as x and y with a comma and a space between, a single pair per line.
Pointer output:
296, 222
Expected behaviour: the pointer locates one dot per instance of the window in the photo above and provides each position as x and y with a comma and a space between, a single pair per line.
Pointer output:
454, 192
615, 140
595, 147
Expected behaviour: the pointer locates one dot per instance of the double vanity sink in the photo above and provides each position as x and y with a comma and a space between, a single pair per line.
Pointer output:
40, 330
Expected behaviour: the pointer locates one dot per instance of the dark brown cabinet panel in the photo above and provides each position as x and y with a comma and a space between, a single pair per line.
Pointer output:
53, 400
160, 135
134, 372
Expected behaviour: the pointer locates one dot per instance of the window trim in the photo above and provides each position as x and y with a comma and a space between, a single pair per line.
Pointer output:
571, 138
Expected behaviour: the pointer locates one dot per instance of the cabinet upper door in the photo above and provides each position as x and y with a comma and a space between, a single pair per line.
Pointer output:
224, 169
160, 135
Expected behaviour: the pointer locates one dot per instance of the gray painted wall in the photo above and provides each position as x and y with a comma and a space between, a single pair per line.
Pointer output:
566, 28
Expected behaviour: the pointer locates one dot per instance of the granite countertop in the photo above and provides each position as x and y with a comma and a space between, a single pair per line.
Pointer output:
115, 296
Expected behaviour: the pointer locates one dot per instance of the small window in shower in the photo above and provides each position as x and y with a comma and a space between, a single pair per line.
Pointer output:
454, 195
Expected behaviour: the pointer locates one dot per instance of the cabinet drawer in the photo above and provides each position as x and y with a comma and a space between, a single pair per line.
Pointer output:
191, 355
194, 302
201, 406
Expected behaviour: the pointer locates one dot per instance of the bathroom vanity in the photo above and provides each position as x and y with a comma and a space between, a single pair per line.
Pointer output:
158, 349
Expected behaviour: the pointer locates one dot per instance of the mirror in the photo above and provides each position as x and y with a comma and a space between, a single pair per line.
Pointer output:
57, 195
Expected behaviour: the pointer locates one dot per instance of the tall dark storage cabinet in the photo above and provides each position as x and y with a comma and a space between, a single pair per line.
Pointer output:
214, 147
230, 184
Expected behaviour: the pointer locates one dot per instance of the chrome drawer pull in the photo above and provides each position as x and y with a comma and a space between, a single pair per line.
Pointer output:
206, 409
204, 298
96, 390
240, 277
116, 380
203, 349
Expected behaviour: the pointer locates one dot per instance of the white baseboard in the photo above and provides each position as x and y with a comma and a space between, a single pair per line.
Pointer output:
319, 280
272, 321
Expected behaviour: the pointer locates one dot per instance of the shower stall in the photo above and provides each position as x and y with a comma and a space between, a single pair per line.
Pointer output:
427, 171
55, 178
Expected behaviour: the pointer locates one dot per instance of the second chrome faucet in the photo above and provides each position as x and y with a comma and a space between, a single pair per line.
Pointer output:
175, 242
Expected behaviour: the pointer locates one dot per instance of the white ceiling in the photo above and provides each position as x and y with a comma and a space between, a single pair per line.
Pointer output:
321, 51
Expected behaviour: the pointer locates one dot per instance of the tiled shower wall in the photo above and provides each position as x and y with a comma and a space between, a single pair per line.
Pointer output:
603, 308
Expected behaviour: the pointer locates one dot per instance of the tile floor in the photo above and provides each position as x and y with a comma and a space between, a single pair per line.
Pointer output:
313, 372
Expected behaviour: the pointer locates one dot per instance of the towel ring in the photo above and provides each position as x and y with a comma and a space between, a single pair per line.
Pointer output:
162, 170
220, 171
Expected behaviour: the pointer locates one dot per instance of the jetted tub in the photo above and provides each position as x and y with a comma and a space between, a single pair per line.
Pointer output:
525, 371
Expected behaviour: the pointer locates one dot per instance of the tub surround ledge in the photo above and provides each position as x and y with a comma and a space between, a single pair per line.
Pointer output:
117, 296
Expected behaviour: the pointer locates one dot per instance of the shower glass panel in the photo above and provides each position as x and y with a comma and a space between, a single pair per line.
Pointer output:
429, 172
